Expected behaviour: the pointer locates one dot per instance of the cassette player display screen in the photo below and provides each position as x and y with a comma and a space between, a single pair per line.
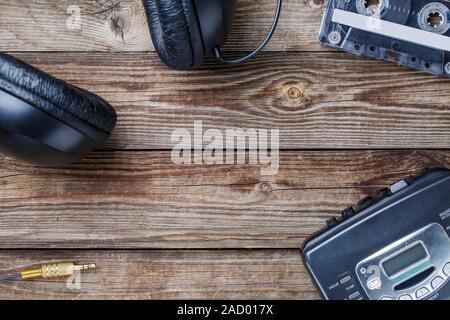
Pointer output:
404, 260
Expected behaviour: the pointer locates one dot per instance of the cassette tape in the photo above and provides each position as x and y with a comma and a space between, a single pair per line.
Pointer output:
413, 33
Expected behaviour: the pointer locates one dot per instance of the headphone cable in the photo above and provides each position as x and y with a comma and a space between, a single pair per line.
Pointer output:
218, 52
10, 277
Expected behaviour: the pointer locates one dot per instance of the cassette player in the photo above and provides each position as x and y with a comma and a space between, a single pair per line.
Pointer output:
413, 33
392, 247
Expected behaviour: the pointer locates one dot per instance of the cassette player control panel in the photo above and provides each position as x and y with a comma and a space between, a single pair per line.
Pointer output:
413, 33
395, 246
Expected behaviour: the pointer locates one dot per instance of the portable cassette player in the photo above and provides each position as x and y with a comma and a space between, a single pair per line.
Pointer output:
394, 247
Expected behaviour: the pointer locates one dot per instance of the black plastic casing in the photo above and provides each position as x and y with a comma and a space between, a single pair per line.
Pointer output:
336, 250
31, 135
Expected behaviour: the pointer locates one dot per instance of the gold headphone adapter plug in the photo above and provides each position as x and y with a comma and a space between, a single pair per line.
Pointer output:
55, 270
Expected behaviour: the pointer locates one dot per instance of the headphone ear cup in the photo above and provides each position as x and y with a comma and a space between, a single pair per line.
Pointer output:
175, 32
46, 120
68, 103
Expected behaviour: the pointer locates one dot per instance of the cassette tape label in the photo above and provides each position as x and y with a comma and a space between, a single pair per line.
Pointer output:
413, 33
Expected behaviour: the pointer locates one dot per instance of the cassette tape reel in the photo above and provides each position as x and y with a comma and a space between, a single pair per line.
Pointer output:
413, 33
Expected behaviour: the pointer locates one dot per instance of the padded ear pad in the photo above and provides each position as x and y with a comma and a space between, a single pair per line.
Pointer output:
76, 107
175, 32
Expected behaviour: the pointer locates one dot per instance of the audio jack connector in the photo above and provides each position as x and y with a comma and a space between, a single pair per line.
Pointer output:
50, 271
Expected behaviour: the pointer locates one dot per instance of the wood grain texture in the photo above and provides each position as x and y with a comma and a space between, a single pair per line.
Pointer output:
326, 100
141, 200
121, 25
230, 274
143, 219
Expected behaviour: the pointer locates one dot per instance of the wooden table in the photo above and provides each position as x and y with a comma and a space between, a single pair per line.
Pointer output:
348, 126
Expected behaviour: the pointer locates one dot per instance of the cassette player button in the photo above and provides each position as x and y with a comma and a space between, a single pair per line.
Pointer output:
405, 297
398, 186
436, 282
384, 193
374, 284
355, 296
345, 279
332, 222
386, 298
447, 269
366, 203
422, 292
347, 213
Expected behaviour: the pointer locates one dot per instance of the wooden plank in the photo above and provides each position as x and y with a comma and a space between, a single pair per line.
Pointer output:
260, 274
326, 100
121, 25
141, 200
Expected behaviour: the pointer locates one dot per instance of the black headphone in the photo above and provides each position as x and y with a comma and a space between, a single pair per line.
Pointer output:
44, 120
184, 32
